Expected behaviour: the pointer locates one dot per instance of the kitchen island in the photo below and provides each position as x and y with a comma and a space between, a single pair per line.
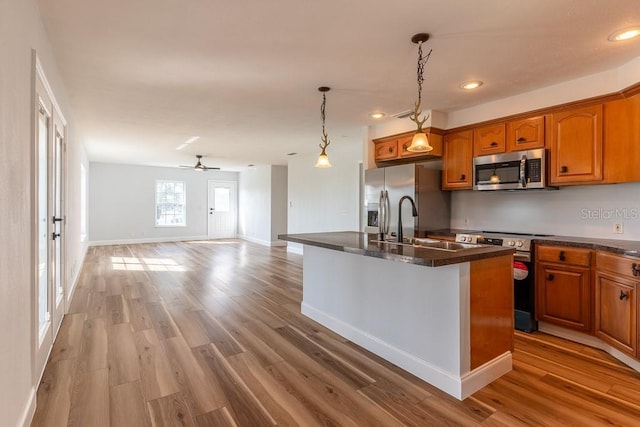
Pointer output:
445, 316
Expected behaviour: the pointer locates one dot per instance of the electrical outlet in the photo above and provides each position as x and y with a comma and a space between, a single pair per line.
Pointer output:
618, 229
466, 221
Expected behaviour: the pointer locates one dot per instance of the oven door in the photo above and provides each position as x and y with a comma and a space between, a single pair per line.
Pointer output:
524, 292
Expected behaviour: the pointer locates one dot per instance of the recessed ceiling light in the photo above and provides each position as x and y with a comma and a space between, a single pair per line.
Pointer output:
377, 115
626, 34
471, 84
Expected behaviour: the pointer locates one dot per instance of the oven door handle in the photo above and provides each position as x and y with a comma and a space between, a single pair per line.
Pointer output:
523, 171
522, 257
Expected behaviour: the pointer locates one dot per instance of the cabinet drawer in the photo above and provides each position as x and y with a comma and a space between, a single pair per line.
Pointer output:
387, 150
621, 265
564, 255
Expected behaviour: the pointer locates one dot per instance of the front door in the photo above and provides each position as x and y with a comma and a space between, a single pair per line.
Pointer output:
222, 209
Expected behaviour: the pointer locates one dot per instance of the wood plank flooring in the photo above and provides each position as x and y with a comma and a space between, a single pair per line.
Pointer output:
210, 334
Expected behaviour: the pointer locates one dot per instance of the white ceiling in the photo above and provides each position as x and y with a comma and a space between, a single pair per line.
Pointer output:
143, 76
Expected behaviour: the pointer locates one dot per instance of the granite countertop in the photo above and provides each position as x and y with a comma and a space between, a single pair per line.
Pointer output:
621, 247
364, 244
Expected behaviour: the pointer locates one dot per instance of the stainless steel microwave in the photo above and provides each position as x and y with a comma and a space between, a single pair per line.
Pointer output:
518, 170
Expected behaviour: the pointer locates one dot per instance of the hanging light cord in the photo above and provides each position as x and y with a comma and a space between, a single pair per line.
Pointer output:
325, 140
421, 63
417, 110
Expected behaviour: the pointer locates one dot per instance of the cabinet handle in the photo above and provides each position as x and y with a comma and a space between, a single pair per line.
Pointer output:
624, 295
494, 144
550, 277
564, 169
391, 149
463, 177
561, 256
635, 270
521, 139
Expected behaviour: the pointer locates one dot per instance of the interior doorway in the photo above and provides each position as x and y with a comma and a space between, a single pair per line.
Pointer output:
222, 209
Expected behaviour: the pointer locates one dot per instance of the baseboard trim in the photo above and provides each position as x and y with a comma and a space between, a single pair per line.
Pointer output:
589, 340
458, 387
147, 240
76, 279
262, 242
29, 410
295, 248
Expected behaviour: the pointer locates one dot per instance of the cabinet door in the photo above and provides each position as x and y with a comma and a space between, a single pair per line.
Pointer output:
622, 140
457, 162
563, 295
488, 140
616, 321
575, 139
386, 150
527, 134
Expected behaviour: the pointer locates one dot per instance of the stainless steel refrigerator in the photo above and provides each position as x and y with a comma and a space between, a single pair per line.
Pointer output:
384, 187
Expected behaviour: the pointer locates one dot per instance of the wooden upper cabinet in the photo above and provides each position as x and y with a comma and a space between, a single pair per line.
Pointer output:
489, 140
395, 147
527, 134
458, 161
386, 150
575, 141
435, 141
622, 140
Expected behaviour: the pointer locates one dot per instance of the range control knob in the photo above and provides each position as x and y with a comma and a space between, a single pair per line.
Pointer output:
519, 243
511, 243
468, 239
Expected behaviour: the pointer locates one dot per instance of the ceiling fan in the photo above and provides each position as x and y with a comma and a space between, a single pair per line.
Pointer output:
199, 166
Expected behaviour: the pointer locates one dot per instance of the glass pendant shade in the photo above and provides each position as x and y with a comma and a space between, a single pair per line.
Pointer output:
323, 161
494, 179
420, 143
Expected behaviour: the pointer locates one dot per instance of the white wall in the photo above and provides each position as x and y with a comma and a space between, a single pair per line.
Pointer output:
21, 30
325, 199
263, 204
255, 204
584, 211
122, 202
279, 201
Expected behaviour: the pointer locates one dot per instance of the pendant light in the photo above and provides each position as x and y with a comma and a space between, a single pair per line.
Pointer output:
420, 142
323, 159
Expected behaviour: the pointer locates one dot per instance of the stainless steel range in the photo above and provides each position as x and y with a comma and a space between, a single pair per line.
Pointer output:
523, 272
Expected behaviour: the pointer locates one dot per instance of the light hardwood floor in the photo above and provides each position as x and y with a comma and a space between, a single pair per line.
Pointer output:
210, 334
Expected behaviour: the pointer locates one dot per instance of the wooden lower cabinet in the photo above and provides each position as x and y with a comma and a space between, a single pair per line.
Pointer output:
616, 285
616, 306
563, 295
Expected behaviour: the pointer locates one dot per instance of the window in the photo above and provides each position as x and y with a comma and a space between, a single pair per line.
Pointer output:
171, 209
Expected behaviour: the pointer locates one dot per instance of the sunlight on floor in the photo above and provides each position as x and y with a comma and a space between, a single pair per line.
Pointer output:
145, 264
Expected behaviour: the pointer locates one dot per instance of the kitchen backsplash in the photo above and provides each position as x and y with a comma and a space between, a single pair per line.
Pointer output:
585, 211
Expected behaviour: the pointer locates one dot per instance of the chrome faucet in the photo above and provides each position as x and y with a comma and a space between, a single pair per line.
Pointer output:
415, 214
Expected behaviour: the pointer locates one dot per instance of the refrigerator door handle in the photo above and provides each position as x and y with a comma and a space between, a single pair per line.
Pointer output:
381, 213
387, 209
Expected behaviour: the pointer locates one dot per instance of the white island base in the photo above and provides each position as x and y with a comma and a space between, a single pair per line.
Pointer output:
451, 326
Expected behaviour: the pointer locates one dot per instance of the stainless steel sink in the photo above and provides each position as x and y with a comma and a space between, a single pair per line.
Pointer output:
430, 244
